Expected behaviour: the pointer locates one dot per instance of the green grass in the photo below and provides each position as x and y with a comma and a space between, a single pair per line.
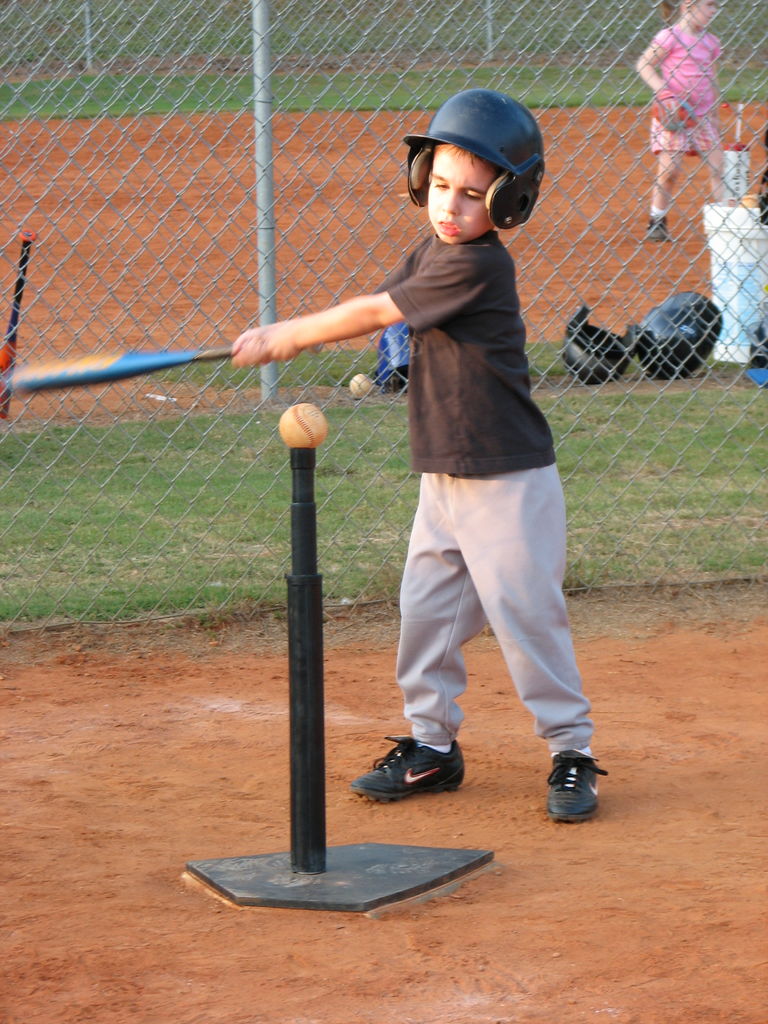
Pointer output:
47, 33
665, 488
89, 96
74, 59
185, 515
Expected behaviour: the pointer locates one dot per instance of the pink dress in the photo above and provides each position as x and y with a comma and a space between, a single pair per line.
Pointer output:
689, 70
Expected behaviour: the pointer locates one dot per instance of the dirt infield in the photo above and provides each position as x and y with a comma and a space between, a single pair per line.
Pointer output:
146, 229
128, 753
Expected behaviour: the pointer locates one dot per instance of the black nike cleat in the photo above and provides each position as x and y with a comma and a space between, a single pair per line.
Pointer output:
573, 786
409, 769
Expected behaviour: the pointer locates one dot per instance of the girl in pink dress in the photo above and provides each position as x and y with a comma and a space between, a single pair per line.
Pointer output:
679, 67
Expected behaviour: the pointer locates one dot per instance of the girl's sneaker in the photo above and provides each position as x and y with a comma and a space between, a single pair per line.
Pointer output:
658, 230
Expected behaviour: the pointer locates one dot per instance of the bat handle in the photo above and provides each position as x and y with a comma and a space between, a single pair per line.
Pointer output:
214, 353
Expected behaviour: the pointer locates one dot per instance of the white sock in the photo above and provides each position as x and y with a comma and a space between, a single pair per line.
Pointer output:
656, 213
586, 751
441, 748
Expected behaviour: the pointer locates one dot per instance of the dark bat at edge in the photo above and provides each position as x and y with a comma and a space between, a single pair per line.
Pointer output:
8, 351
103, 368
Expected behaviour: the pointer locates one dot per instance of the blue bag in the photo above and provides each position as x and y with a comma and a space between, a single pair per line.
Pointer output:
394, 356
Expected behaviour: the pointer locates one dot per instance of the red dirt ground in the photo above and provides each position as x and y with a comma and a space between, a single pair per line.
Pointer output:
128, 753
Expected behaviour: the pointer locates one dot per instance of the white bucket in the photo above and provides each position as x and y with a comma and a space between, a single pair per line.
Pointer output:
738, 245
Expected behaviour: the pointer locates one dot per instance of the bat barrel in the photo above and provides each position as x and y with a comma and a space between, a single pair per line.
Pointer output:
104, 368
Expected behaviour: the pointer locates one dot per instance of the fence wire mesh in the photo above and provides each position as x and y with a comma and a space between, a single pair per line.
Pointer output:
127, 145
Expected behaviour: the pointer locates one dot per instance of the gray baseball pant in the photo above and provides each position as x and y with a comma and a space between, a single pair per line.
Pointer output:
489, 549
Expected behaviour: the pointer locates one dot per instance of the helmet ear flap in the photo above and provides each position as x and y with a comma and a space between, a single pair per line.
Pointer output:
511, 198
498, 200
419, 168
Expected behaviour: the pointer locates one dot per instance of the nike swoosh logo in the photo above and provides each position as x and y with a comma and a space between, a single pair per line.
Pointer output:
410, 776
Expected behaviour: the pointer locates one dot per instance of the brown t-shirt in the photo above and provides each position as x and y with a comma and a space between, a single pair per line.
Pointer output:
469, 391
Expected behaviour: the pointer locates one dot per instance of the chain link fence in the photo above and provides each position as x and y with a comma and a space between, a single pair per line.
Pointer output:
128, 144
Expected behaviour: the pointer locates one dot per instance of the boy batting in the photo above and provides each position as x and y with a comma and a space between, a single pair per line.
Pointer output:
488, 539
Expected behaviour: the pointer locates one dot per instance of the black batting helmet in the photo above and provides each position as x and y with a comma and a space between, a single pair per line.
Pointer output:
675, 339
593, 355
496, 128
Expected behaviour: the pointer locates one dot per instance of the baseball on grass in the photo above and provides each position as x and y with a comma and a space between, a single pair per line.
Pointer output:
360, 385
303, 426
